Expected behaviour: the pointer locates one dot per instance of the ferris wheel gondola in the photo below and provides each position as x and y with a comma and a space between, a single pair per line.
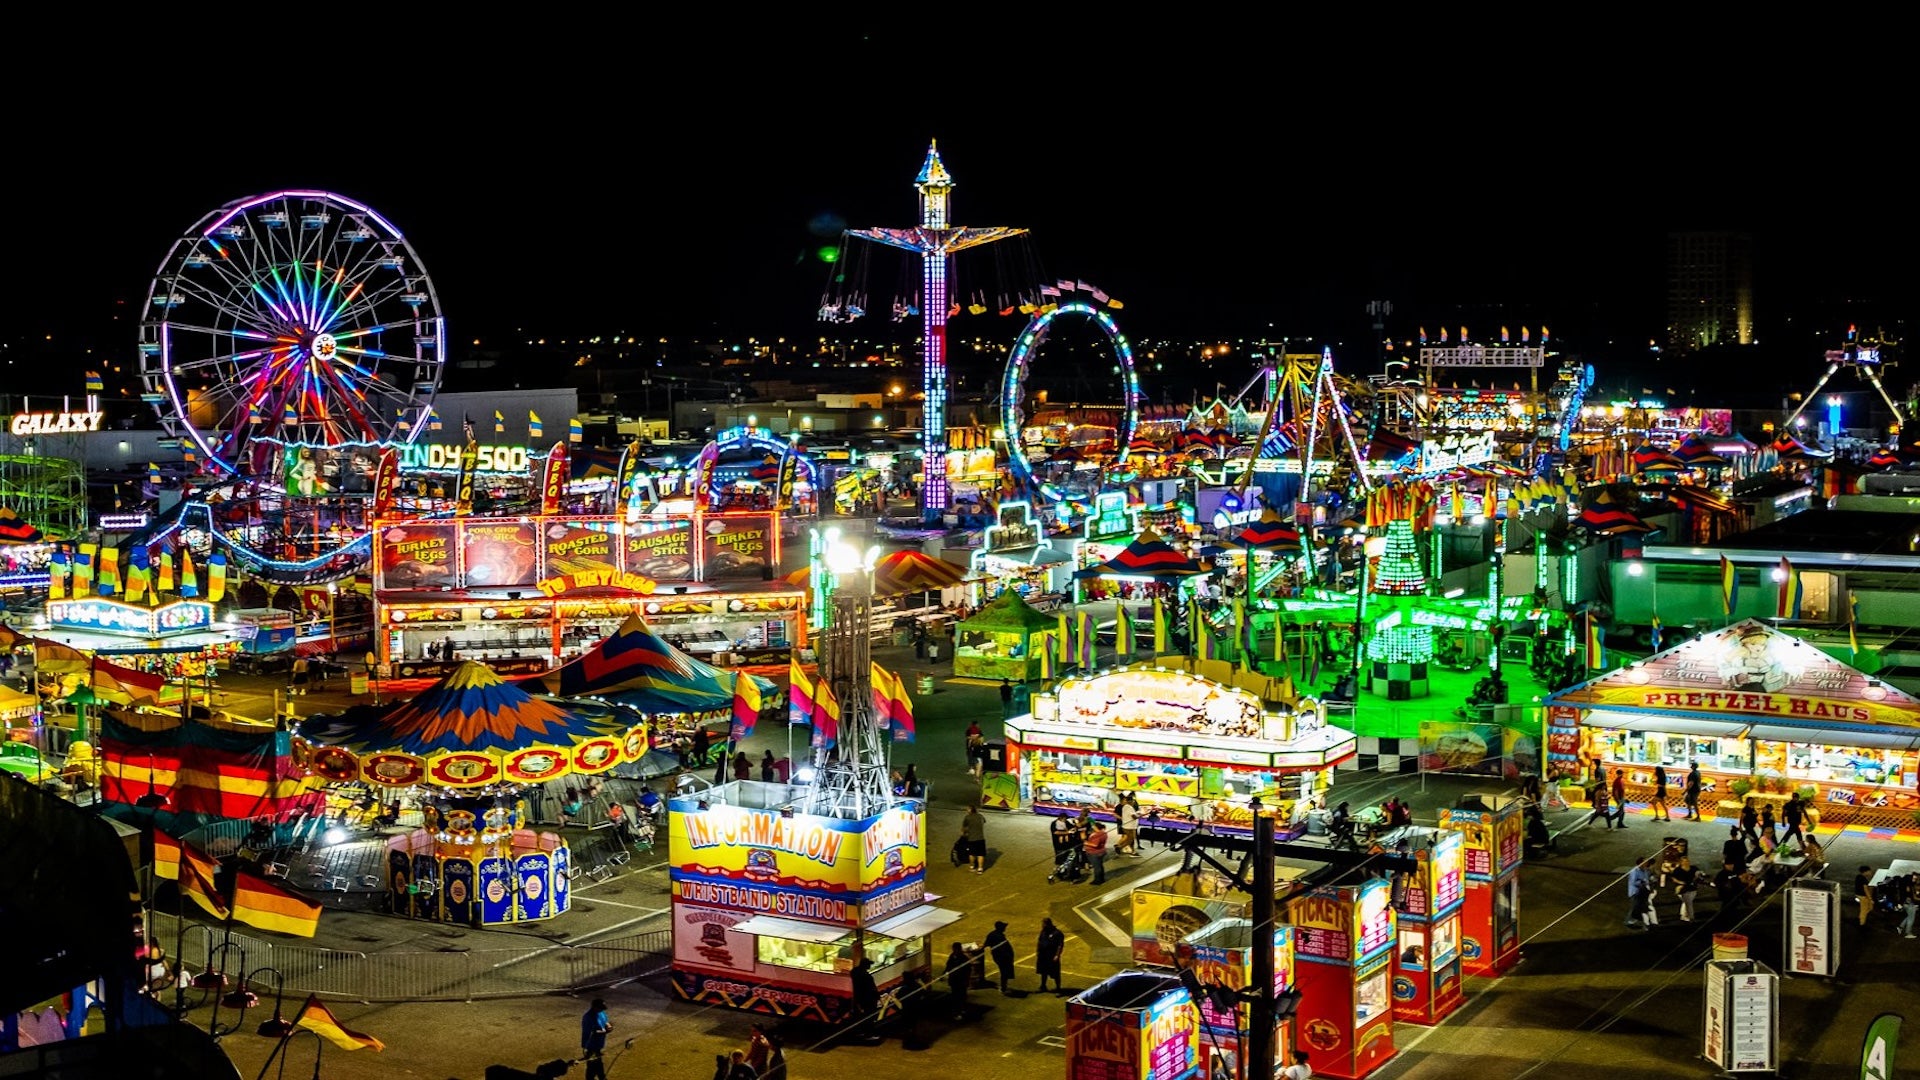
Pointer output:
291, 318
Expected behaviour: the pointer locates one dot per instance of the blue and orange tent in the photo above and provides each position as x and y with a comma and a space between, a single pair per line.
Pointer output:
635, 667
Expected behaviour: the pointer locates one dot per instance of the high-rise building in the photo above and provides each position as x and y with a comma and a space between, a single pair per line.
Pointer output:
1709, 290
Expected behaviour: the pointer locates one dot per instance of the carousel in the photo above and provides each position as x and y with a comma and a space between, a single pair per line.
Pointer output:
466, 749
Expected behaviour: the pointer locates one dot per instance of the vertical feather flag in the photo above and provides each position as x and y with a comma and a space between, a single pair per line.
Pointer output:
58, 564
386, 480
463, 482
1239, 626
1088, 642
1596, 644
1279, 640
197, 871
575, 430
163, 580
1654, 634
881, 689
216, 577
1789, 598
1066, 639
137, 573
1729, 587
1048, 663
83, 570
534, 424
289, 416
166, 856
1159, 627
799, 693
1853, 626
826, 716
107, 581
189, 587
1122, 632
1459, 507
746, 705
499, 423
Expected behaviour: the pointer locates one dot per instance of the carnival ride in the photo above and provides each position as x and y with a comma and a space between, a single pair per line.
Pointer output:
1864, 356
1049, 485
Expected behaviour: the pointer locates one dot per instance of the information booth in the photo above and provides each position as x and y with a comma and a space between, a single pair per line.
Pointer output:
772, 908
1426, 955
1220, 955
1137, 1025
1763, 714
1193, 750
1491, 828
1343, 940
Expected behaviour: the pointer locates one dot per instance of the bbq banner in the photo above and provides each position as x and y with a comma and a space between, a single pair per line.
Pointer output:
629, 467
574, 549
463, 487
661, 550
386, 478
456, 891
554, 482
416, 556
498, 555
737, 546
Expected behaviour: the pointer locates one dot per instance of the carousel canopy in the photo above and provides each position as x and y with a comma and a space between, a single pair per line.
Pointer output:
911, 571
636, 667
1147, 557
1270, 533
1010, 612
16, 530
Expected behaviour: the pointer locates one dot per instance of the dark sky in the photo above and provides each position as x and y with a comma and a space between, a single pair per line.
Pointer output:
1213, 209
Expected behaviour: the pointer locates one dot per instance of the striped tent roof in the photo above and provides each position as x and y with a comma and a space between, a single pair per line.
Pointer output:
1883, 458
17, 530
633, 659
1792, 449
1648, 458
1610, 519
1696, 452
911, 571
1271, 533
1146, 556
471, 709
1143, 445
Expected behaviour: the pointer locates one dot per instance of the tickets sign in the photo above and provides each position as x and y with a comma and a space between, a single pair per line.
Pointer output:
817, 869
1348, 924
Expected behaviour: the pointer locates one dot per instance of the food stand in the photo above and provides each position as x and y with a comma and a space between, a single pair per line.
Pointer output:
1193, 750
1762, 713
1490, 911
1003, 640
772, 908
1220, 955
1343, 945
1426, 958
1015, 557
1137, 1025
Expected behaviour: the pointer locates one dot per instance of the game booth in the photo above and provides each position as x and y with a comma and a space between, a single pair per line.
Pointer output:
526, 594
1220, 955
1343, 945
1194, 749
1426, 957
1004, 640
772, 908
1137, 1025
466, 749
1491, 851
1764, 714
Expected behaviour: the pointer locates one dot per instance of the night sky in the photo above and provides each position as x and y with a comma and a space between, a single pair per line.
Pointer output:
564, 211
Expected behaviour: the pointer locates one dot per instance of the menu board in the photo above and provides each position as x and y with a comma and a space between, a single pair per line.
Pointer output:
417, 556
734, 546
1449, 882
571, 549
1375, 916
1173, 1036
661, 550
498, 554
1750, 1022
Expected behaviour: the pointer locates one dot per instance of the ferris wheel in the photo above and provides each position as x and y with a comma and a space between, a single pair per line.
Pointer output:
1013, 388
297, 317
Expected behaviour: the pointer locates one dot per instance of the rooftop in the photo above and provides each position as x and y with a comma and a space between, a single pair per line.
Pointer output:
1858, 532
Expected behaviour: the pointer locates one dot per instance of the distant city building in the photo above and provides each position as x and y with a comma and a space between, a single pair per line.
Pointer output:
1709, 290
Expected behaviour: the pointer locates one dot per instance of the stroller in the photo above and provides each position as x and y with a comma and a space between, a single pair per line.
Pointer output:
1068, 864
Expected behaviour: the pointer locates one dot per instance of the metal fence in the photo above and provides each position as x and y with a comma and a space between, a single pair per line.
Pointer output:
539, 967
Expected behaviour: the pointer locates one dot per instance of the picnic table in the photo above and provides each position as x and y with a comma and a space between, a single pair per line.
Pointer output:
1899, 868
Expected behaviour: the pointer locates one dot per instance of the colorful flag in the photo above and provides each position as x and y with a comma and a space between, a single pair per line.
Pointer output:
216, 577
386, 480
1122, 631
499, 423
1066, 641
1159, 627
95, 384
254, 415
197, 872
83, 570
746, 705
54, 658
289, 417
153, 474
1654, 633
107, 579
163, 579
902, 716
189, 586
260, 903
575, 430
315, 1018
1789, 598
123, 685
1729, 586
881, 688
1853, 626
553, 482
433, 419
534, 425
1596, 644
58, 565
826, 716
799, 693
1204, 645
1087, 641
166, 856
1880, 1050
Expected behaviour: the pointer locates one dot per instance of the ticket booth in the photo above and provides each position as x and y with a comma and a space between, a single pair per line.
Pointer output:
1137, 1025
1220, 958
1426, 904
1343, 937
1490, 915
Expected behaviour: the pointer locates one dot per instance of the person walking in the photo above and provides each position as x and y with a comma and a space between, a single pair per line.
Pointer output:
1001, 950
1095, 847
1660, 794
767, 770
1733, 853
1750, 820
1691, 793
1619, 793
1006, 699
1796, 817
1639, 897
1129, 814
1602, 808
1863, 893
738, 1069
697, 758
1909, 895
866, 992
959, 973
1767, 842
1046, 955
594, 1026
973, 832
742, 766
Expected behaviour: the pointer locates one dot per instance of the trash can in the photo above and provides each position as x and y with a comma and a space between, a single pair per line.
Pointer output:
996, 756
357, 682
1729, 946
926, 684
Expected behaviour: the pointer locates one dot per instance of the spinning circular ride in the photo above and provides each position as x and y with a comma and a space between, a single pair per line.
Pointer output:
1013, 390
298, 316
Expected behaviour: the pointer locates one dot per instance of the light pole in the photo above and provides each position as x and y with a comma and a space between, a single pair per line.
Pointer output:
241, 998
851, 783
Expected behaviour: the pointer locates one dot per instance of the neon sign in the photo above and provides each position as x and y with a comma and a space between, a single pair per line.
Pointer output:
52, 423
419, 457
113, 617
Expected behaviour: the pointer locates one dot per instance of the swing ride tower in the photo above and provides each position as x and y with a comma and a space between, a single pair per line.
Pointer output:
936, 242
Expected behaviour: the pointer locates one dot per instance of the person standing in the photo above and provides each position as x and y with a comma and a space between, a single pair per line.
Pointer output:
1660, 794
1639, 897
1689, 891
738, 1069
766, 767
1095, 847
1006, 699
1619, 793
742, 766
1863, 893
759, 1050
698, 757
1750, 820
1691, 793
1909, 895
866, 992
1129, 815
973, 830
1767, 842
1733, 853
1299, 1070
594, 1026
959, 973
1046, 954
1001, 950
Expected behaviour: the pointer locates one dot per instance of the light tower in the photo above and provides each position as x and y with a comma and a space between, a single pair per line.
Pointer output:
935, 241
852, 781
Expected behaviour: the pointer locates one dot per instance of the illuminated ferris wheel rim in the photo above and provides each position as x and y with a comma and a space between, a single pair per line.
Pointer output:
1013, 388
319, 325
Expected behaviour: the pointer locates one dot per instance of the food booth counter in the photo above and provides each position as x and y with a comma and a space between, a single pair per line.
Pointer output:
1193, 751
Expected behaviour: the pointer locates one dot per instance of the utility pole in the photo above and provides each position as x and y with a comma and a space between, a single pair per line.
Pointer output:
1259, 1062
